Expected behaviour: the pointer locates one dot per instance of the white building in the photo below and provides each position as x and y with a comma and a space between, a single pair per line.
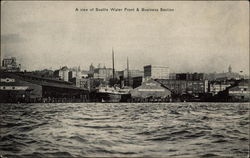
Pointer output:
62, 74
156, 72
10, 64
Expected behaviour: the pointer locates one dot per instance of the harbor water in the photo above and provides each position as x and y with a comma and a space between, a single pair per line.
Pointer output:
124, 129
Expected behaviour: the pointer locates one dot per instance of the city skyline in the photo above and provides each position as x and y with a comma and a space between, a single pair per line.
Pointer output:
92, 67
195, 37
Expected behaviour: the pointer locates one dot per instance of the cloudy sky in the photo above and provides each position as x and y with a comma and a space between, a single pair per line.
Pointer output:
195, 37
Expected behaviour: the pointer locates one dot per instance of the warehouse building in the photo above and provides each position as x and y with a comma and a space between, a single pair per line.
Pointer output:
21, 87
151, 91
240, 92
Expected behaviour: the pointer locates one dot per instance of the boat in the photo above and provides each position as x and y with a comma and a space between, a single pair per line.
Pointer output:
112, 94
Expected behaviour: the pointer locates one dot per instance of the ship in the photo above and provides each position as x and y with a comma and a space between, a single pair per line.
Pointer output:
113, 93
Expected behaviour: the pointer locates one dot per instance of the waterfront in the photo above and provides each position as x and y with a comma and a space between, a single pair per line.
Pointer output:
124, 129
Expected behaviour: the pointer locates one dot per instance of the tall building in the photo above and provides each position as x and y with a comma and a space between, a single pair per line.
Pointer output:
9, 64
156, 72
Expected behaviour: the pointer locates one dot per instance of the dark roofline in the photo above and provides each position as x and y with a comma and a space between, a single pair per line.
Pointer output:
44, 82
42, 78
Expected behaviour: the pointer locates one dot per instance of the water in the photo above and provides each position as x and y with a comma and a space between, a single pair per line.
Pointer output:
126, 130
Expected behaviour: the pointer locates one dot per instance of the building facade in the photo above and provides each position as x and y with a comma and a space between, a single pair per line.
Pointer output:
216, 87
172, 76
240, 92
62, 74
156, 72
180, 87
103, 73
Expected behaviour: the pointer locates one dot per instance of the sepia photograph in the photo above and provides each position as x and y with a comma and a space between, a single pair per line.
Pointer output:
124, 79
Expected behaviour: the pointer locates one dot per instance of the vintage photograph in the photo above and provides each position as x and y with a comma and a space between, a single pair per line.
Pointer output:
124, 79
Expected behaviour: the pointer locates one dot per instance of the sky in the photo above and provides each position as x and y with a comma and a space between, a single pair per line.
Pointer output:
203, 36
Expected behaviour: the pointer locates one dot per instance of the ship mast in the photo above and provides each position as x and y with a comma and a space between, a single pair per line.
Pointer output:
113, 62
128, 71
